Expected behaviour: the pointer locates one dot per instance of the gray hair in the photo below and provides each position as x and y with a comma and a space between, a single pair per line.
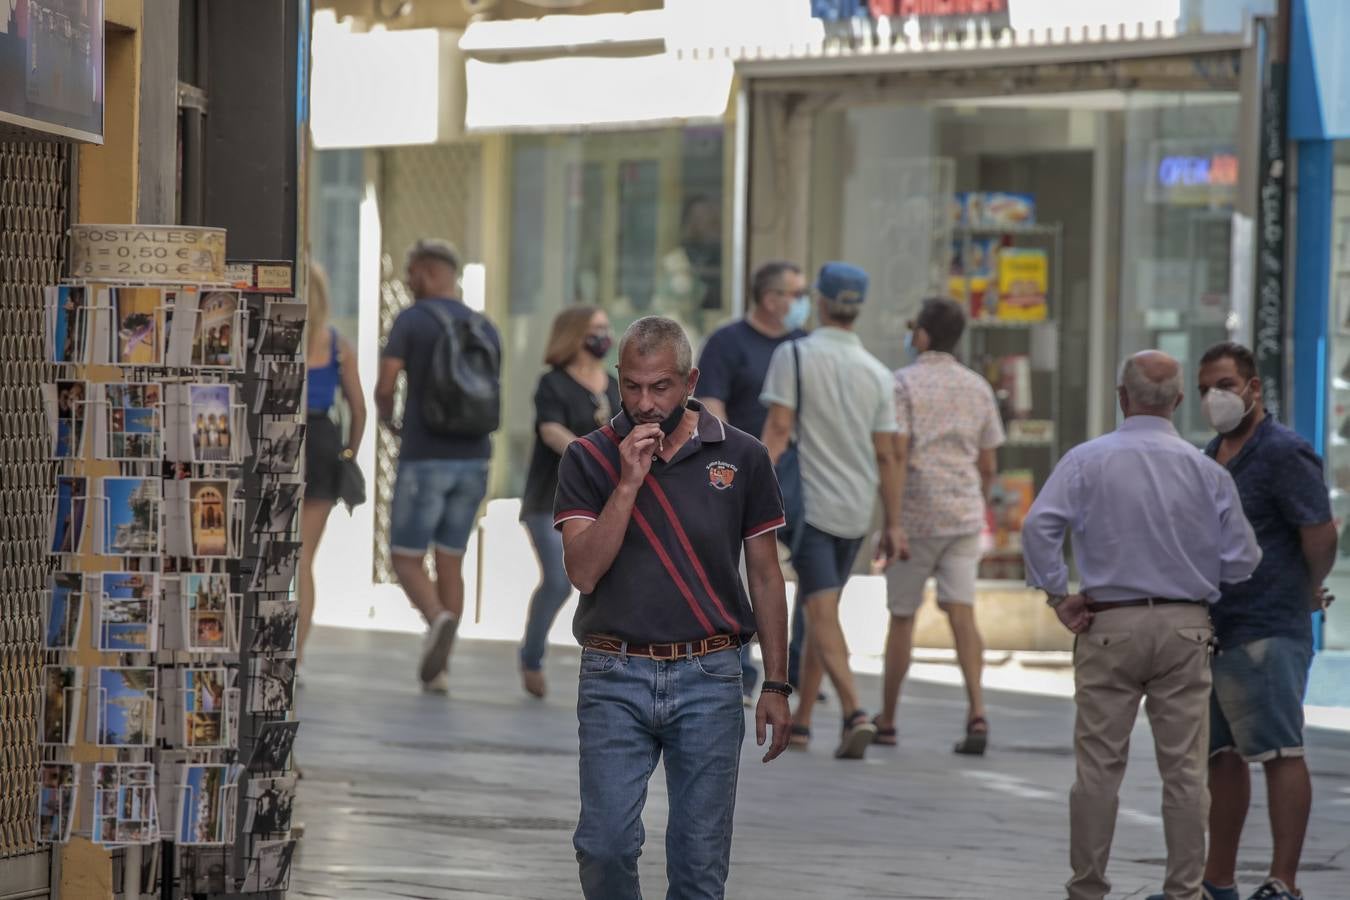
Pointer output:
651, 334
1146, 393
434, 248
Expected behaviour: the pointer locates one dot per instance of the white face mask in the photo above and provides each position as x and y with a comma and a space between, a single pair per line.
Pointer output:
1224, 410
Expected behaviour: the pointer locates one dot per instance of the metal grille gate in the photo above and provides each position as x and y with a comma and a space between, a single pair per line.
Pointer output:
424, 192
34, 217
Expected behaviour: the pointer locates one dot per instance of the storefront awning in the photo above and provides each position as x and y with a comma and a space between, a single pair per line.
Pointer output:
384, 88
595, 92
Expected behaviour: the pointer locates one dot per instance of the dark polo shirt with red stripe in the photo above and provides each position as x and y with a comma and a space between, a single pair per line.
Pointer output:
677, 574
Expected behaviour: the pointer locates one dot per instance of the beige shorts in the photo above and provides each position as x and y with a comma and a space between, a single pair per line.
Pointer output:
953, 561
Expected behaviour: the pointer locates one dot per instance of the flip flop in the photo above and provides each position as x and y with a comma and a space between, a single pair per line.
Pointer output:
975, 741
885, 737
799, 737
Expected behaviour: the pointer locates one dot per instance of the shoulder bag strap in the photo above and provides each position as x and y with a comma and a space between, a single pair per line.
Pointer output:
797, 374
440, 315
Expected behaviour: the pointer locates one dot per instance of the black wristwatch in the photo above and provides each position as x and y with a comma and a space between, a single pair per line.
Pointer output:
776, 687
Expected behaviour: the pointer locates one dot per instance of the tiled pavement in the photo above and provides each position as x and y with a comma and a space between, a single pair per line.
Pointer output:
410, 795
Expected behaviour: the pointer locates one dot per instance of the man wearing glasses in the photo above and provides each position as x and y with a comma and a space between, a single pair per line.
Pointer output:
733, 364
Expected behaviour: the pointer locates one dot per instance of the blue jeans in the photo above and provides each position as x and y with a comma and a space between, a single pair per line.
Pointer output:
749, 674
550, 595
632, 711
435, 502
1256, 709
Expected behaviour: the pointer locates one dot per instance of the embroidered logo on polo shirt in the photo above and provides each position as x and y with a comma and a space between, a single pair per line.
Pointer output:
721, 474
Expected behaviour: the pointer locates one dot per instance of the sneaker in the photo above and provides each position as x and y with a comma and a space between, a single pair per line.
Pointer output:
1274, 889
1213, 892
857, 736
438, 685
436, 648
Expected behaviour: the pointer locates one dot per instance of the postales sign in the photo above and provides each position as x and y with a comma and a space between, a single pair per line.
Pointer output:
167, 253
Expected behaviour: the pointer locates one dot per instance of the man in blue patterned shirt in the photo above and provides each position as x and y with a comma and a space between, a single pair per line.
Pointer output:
1263, 625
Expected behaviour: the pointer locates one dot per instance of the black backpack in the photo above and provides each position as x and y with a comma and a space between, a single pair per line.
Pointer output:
463, 392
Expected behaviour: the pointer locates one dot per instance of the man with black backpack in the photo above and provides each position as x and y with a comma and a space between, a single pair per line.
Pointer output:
451, 358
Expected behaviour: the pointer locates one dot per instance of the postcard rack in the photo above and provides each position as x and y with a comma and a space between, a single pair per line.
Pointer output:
175, 422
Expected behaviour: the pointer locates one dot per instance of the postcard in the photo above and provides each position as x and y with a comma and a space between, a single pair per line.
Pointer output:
129, 513
58, 784
272, 687
126, 706
268, 805
209, 620
130, 424
67, 325
65, 606
271, 869
126, 808
138, 332
281, 384
68, 520
204, 805
272, 747
128, 612
277, 510
60, 705
215, 331
67, 404
275, 566
211, 418
274, 626
279, 447
283, 328
204, 701
209, 505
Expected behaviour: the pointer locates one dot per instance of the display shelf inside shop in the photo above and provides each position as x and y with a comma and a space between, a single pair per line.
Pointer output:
1051, 230
1011, 324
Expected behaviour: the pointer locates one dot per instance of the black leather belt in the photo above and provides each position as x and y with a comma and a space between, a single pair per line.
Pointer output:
1140, 601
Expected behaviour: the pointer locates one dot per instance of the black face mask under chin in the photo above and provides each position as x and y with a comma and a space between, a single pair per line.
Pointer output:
669, 423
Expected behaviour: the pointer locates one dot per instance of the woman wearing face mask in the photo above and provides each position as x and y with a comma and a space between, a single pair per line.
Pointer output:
575, 397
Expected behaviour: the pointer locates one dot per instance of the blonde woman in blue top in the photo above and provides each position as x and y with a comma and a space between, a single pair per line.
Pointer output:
331, 365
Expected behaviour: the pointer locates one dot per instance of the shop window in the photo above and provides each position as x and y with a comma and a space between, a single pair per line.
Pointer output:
335, 226
1337, 633
1180, 187
628, 221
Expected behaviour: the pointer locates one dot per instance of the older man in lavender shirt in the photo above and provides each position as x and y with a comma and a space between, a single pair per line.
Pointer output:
1157, 528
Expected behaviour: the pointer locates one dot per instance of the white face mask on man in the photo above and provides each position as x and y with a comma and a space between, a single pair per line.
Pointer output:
1224, 409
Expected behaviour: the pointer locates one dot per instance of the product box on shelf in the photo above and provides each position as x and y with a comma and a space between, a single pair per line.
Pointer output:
994, 209
1023, 280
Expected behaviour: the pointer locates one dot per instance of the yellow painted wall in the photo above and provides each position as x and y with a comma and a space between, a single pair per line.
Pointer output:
106, 193
107, 174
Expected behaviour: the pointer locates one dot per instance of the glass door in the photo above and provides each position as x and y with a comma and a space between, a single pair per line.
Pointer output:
1337, 626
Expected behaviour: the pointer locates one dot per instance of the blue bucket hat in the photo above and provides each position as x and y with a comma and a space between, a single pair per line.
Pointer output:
842, 283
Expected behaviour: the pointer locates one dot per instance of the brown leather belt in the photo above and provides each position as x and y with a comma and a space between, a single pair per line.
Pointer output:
1141, 601
606, 644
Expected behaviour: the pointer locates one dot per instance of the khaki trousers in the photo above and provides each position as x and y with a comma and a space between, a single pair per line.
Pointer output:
1160, 653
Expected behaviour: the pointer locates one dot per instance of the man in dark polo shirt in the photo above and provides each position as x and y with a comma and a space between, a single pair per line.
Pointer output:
731, 375
1263, 626
656, 509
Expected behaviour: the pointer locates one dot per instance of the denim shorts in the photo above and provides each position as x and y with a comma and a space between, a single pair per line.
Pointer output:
823, 561
435, 502
1256, 709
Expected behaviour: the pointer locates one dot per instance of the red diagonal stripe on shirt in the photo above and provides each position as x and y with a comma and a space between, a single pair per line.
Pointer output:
652, 539
683, 538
